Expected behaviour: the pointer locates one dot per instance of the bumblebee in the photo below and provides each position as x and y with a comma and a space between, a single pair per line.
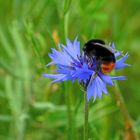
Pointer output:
103, 54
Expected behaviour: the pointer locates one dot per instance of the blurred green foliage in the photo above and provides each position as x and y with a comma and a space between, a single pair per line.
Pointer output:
31, 108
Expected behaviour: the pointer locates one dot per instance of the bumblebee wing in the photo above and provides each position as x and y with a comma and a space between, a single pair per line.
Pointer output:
106, 46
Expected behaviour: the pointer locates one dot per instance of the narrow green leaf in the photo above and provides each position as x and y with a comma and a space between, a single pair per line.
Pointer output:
6, 45
67, 4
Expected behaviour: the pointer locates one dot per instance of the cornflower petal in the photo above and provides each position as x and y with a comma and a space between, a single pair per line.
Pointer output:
107, 79
60, 57
113, 45
119, 78
95, 88
73, 49
82, 73
117, 54
91, 90
120, 63
58, 77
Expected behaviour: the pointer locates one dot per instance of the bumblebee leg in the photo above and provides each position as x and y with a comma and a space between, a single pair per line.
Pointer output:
93, 76
97, 70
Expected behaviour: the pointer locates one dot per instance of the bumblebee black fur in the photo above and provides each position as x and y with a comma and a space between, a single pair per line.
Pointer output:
94, 48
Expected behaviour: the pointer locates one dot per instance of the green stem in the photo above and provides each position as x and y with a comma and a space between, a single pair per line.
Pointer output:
86, 119
129, 127
69, 113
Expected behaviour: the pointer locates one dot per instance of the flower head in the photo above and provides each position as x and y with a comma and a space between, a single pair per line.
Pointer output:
72, 64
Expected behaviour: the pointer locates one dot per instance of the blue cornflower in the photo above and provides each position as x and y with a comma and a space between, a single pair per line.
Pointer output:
72, 64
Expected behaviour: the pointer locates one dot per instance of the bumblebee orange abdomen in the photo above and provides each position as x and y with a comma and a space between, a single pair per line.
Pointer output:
107, 67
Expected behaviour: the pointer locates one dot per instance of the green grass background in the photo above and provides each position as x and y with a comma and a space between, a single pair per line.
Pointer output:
31, 108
